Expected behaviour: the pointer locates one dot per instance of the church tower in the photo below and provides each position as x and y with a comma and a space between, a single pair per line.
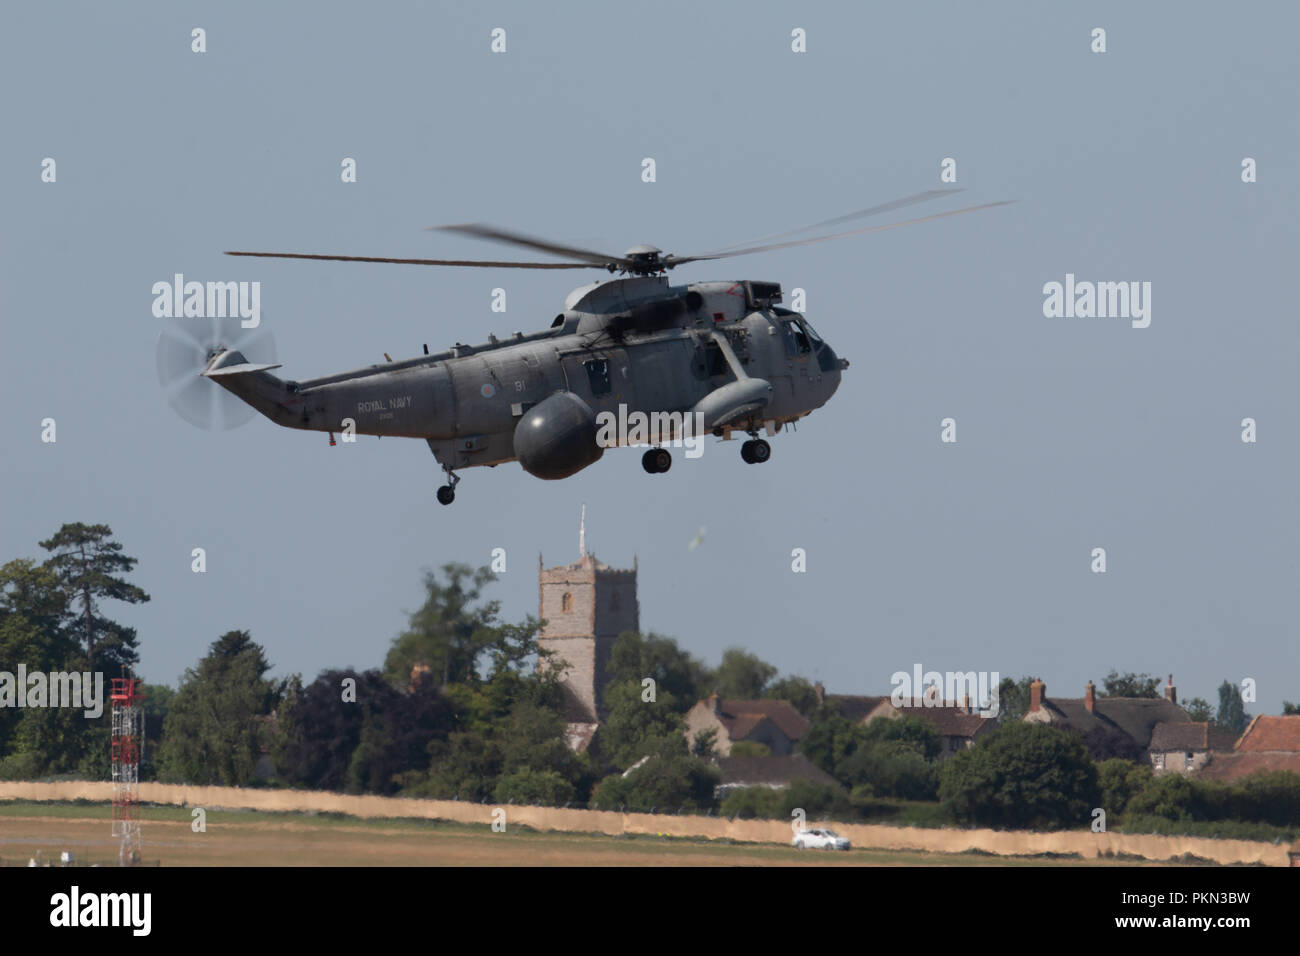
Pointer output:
585, 605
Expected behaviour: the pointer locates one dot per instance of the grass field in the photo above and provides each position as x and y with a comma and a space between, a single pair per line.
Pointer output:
248, 838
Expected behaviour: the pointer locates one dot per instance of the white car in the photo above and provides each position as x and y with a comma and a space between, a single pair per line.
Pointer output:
819, 839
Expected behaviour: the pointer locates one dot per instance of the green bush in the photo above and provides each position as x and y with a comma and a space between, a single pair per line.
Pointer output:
748, 803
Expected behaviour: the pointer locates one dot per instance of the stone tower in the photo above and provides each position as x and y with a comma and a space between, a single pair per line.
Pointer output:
585, 605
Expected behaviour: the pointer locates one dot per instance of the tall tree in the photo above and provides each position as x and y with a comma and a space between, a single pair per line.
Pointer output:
1199, 710
90, 565
450, 630
741, 675
635, 657
1014, 698
1232, 709
799, 691
212, 733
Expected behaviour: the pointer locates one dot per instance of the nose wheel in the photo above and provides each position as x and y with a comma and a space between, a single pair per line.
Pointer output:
447, 493
755, 451
657, 460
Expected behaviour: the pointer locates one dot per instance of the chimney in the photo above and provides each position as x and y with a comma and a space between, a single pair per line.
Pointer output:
1090, 697
715, 704
1037, 693
1171, 692
820, 689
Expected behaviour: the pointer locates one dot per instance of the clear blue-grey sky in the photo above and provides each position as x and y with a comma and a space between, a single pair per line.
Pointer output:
1072, 434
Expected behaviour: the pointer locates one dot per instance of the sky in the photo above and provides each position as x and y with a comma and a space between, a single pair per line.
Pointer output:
1072, 433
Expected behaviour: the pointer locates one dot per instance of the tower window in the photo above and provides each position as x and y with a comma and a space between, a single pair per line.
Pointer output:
566, 602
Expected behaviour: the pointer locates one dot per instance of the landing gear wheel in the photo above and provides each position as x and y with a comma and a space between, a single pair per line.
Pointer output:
760, 452
446, 495
747, 452
657, 460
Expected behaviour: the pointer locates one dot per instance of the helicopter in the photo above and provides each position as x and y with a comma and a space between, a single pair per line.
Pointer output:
716, 358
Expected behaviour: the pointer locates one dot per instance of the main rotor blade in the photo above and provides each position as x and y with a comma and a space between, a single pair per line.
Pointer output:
860, 214
672, 261
491, 233
424, 262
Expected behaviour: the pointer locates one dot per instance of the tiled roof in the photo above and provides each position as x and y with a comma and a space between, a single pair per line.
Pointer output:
770, 771
1271, 733
1199, 735
742, 716
1234, 766
949, 720
1135, 716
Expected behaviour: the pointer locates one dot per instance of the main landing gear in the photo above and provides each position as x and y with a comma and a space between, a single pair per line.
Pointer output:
657, 460
447, 493
755, 451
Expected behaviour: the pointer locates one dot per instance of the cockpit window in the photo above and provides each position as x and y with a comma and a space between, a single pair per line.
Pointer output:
812, 333
796, 342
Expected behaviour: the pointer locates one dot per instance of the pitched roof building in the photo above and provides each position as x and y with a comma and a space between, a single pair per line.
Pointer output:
1186, 747
956, 725
774, 723
1269, 743
1135, 717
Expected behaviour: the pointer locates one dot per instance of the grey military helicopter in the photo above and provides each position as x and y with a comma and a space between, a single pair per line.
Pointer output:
722, 355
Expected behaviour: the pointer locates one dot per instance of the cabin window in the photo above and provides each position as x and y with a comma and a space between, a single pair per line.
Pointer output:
598, 375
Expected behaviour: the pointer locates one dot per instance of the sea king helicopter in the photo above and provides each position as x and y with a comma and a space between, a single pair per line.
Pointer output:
716, 357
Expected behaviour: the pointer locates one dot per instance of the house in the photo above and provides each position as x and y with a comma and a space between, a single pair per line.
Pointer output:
774, 772
1186, 747
774, 723
957, 726
1133, 717
1269, 743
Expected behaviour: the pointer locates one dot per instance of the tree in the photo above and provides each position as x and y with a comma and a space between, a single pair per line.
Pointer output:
1199, 710
359, 737
1022, 775
1013, 698
830, 738
896, 758
1288, 708
801, 694
1106, 743
1119, 780
663, 784
90, 565
44, 740
634, 727
1232, 709
741, 675
212, 733
449, 632
1130, 685
635, 657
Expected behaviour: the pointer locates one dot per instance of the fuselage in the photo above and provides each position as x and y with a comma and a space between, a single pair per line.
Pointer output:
622, 346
